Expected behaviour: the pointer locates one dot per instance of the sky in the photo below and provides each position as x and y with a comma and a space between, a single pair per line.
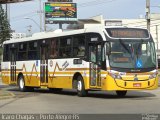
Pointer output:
110, 9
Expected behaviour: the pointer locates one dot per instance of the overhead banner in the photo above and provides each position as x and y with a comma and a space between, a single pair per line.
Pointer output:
60, 12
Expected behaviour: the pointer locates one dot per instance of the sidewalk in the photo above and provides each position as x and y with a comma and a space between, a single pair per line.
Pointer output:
1, 84
3, 93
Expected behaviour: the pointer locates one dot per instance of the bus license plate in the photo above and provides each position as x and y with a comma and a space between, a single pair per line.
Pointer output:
136, 84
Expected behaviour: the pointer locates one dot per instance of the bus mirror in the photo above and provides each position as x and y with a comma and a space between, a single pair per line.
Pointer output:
108, 48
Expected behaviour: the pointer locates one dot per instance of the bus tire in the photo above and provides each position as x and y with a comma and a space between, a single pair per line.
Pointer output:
121, 93
22, 87
21, 84
81, 92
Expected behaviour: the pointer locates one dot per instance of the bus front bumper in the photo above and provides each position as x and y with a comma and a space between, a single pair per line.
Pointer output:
118, 84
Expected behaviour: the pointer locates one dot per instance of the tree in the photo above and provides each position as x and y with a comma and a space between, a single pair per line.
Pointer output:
5, 29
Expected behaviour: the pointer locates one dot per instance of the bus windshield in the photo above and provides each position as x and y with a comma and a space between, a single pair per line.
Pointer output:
132, 54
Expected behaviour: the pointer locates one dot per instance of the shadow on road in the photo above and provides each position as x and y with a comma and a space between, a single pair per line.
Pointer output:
92, 94
130, 95
3, 86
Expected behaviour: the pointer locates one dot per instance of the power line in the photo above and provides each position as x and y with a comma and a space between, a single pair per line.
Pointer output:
85, 4
19, 19
23, 15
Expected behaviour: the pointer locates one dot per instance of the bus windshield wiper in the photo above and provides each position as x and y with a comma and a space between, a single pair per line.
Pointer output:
138, 48
124, 46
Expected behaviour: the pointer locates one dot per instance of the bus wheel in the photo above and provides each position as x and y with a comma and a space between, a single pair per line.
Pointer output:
80, 87
22, 87
21, 84
121, 93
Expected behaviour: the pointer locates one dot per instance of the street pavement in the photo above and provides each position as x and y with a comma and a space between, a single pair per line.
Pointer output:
67, 101
1, 82
43, 101
3, 93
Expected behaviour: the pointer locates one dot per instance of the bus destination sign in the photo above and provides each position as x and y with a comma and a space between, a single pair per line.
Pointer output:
127, 33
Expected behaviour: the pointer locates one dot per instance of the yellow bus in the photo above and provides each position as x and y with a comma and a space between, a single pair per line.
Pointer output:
94, 58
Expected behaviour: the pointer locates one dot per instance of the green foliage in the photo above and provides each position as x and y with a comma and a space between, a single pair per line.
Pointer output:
4, 26
1, 52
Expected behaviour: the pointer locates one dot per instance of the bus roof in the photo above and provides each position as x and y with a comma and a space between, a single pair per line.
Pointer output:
56, 33
59, 33
44, 35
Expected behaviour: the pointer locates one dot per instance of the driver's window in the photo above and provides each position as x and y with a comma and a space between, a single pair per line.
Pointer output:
99, 54
92, 53
96, 54
95, 47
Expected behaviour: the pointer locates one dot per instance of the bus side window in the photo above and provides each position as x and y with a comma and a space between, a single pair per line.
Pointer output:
6, 53
32, 51
53, 48
79, 46
65, 47
81, 51
22, 51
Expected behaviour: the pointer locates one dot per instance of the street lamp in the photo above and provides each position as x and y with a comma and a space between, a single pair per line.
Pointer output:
34, 22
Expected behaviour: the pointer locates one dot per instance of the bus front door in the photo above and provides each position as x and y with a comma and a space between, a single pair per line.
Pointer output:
13, 65
95, 65
44, 64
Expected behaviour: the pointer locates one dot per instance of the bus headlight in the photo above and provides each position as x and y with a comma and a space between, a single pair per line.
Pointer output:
154, 75
115, 76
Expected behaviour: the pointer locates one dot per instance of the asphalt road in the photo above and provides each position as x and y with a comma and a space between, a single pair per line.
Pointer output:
43, 101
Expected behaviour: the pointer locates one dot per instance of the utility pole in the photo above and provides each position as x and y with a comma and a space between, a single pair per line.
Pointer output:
29, 29
44, 18
40, 15
148, 14
157, 36
8, 12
